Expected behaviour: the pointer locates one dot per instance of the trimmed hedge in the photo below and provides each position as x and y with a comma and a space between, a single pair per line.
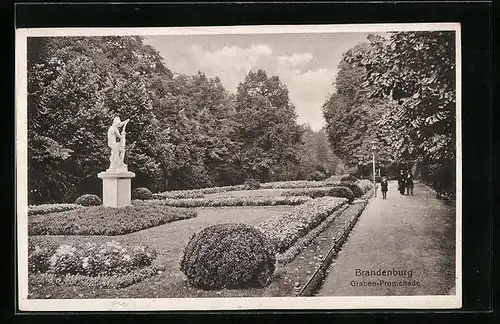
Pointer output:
197, 193
87, 259
349, 178
343, 192
235, 201
88, 200
51, 208
295, 184
252, 184
337, 191
228, 256
184, 194
114, 282
98, 220
284, 230
221, 189
355, 188
309, 192
141, 193
316, 176
303, 242
365, 185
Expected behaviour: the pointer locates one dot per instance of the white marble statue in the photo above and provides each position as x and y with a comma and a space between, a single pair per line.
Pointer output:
116, 142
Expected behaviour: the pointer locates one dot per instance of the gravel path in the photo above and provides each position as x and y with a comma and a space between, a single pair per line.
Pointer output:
404, 233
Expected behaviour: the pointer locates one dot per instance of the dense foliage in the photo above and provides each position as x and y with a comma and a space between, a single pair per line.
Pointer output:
365, 185
50, 208
316, 176
252, 184
343, 192
416, 73
186, 131
114, 281
354, 187
315, 154
309, 192
351, 117
297, 184
228, 255
88, 200
141, 193
418, 70
88, 259
98, 220
108, 265
269, 136
349, 178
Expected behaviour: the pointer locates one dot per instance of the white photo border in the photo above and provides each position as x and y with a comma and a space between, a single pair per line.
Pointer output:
209, 304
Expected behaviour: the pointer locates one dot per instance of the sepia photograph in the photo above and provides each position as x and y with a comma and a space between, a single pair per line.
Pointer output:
239, 167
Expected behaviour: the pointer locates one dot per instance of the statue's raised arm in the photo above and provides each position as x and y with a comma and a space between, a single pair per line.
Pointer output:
124, 123
116, 141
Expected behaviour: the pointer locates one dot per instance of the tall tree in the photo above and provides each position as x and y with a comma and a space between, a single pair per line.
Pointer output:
316, 154
195, 114
266, 126
418, 70
75, 87
351, 117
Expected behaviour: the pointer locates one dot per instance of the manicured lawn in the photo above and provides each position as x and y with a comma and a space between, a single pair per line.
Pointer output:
171, 283
168, 240
98, 220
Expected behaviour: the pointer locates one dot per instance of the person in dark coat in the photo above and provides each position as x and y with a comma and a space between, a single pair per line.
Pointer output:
401, 182
384, 186
409, 184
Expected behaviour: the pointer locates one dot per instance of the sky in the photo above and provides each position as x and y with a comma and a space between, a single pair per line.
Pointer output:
306, 63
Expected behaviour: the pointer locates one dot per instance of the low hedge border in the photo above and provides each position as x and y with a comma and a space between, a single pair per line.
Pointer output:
303, 242
178, 195
284, 230
335, 191
235, 202
116, 281
365, 185
367, 195
197, 193
309, 192
51, 208
98, 220
315, 281
297, 184
87, 259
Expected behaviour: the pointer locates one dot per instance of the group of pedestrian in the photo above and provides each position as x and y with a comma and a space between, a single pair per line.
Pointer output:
405, 184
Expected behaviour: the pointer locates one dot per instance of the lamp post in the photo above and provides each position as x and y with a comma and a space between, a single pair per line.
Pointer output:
373, 148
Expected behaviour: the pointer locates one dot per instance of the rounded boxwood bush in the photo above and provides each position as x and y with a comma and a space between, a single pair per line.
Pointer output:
356, 190
228, 256
252, 184
141, 193
342, 192
317, 176
88, 200
349, 178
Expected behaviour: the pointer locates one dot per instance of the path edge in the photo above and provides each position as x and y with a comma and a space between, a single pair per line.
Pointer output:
314, 282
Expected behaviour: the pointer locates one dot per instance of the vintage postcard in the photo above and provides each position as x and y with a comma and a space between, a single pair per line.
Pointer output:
239, 168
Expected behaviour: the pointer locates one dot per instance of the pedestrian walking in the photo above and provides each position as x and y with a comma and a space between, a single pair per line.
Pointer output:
401, 182
384, 186
409, 184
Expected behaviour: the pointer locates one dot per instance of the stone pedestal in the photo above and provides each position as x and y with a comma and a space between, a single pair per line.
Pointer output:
116, 187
